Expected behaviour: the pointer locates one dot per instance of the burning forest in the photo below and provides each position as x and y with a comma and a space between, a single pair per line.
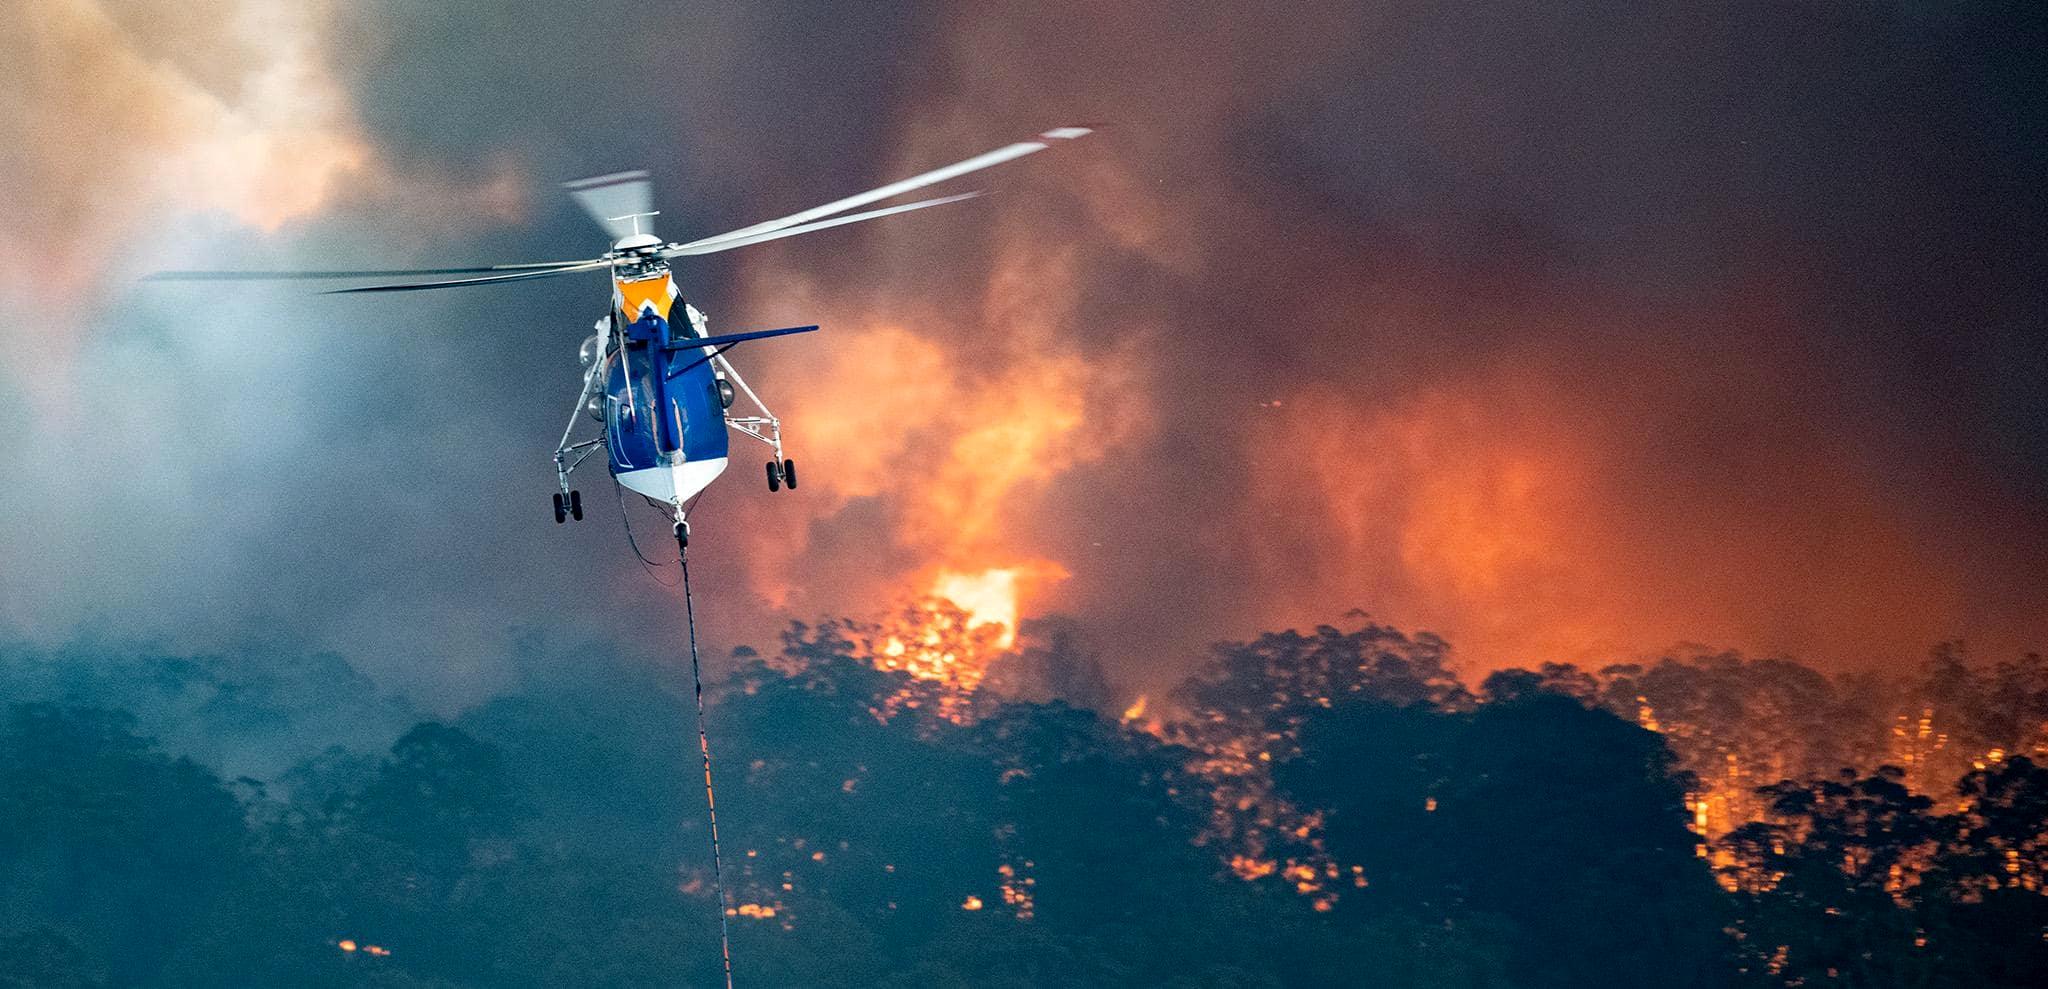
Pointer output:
909, 801
1426, 494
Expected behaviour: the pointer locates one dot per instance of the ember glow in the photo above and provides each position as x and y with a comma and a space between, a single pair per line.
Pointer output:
1137, 709
988, 598
952, 456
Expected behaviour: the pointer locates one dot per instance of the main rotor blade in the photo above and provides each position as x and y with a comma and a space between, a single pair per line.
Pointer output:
728, 243
250, 276
459, 282
937, 175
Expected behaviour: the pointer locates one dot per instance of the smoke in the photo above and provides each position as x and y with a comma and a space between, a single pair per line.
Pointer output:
118, 110
1567, 334
1550, 331
181, 461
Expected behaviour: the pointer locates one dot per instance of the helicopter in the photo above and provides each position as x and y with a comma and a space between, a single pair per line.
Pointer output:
654, 376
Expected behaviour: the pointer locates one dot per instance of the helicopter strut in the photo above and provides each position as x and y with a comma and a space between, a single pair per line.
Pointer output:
766, 427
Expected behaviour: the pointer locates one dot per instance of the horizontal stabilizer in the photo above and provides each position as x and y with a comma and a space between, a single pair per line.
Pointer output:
724, 343
733, 338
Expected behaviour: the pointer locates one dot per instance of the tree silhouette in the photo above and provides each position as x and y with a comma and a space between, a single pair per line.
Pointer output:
1322, 808
116, 848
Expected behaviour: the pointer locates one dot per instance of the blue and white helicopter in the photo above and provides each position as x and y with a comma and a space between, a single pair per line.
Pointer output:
654, 375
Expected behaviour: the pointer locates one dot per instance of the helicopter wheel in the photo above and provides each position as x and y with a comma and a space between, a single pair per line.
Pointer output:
789, 474
725, 394
561, 511
682, 535
774, 476
576, 505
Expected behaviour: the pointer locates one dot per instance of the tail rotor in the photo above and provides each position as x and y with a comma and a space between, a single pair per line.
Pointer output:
622, 202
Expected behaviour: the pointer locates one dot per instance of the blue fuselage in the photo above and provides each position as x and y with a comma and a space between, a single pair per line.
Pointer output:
661, 401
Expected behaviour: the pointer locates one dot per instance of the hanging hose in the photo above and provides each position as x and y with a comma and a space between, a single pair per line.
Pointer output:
649, 565
704, 747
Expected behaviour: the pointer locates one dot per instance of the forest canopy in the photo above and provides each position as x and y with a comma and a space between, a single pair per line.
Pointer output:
1311, 808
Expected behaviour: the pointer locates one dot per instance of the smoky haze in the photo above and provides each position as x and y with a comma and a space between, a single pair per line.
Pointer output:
1567, 334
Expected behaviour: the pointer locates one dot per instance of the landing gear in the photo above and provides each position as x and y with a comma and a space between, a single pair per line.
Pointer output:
764, 427
596, 356
682, 536
725, 394
569, 508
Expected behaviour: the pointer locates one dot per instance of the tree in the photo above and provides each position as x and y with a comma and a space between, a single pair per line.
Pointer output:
121, 851
43, 958
1825, 891
1993, 875
1561, 827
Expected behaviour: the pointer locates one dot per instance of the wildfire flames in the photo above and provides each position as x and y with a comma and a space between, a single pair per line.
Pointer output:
989, 598
1153, 373
949, 638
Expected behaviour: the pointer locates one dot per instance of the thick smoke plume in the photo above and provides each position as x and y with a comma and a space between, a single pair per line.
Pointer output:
1547, 331
1568, 334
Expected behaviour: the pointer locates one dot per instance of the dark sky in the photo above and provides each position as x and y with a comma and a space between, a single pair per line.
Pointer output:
1569, 332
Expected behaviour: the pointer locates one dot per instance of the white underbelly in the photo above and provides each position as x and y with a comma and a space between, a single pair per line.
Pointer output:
675, 483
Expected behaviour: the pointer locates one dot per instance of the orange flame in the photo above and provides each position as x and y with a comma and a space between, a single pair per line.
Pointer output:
948, 419
951, 635
988, 598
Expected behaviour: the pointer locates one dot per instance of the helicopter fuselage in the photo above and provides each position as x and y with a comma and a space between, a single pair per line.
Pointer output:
665, 428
